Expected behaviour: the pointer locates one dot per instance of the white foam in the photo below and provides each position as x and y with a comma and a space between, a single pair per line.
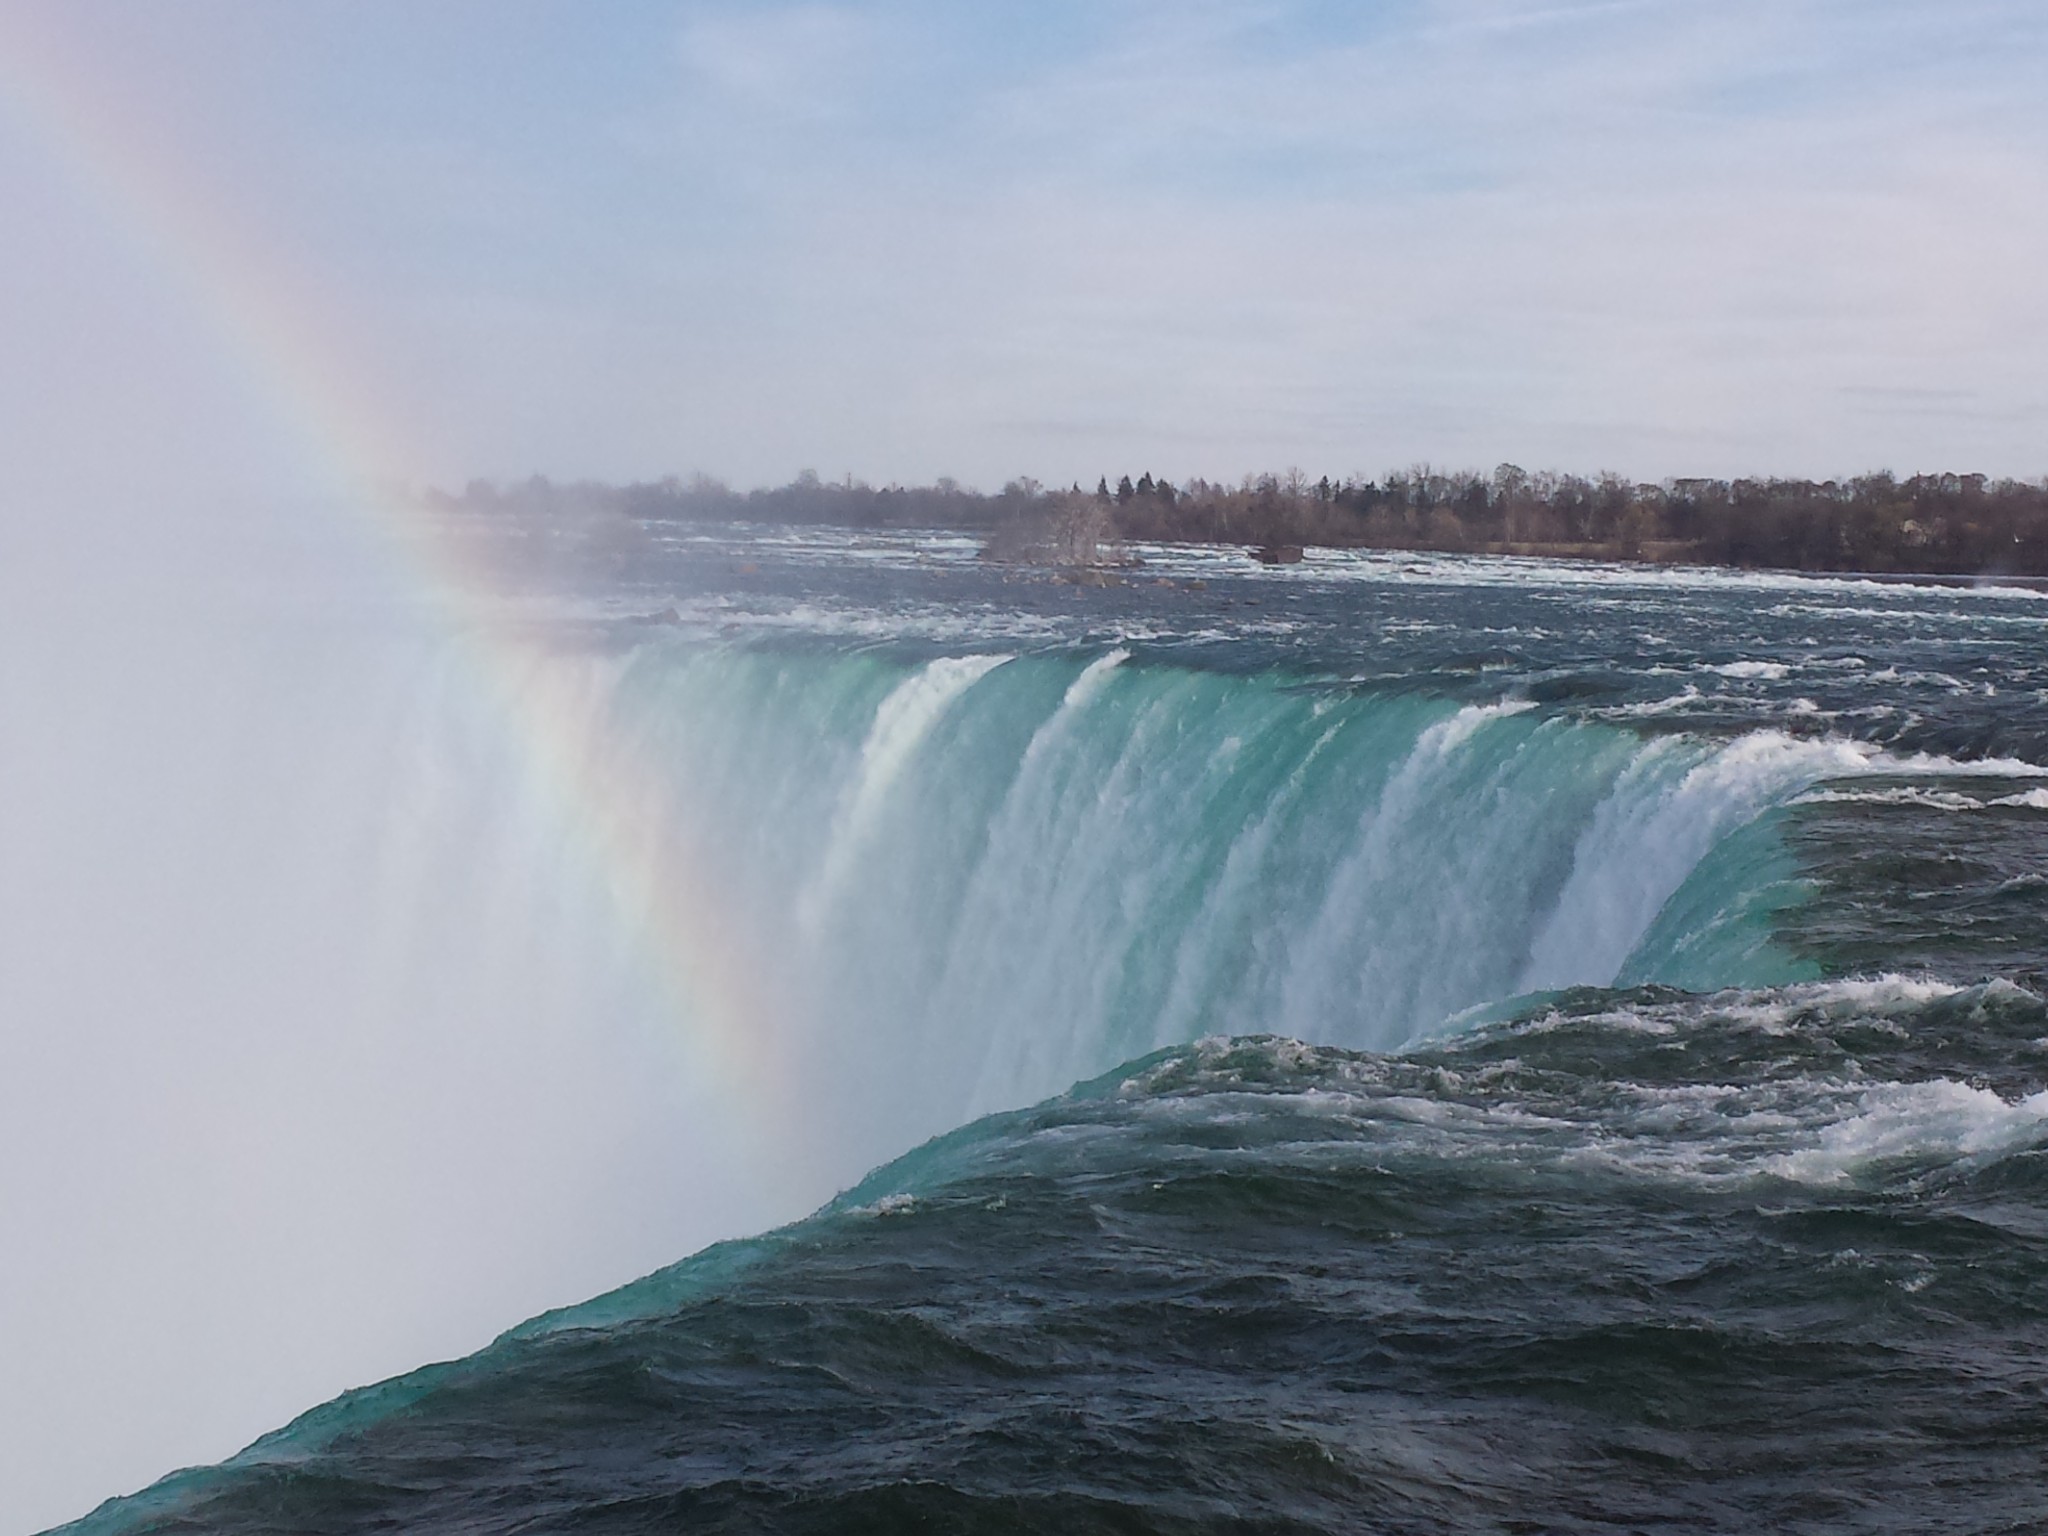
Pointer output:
888, 1205
1650, 833
1093, 679
906, 717
1938, 1121
1445, 737
1509, 570
1820, 1128
1927, 799
1873, 997
1669, 704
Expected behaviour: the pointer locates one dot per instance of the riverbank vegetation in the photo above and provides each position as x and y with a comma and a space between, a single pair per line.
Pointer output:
1934, 524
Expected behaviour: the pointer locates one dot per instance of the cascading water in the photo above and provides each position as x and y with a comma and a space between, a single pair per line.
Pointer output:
1316, 1136
980, 878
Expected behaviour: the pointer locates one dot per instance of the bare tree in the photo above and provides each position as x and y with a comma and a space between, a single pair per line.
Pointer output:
1080, 528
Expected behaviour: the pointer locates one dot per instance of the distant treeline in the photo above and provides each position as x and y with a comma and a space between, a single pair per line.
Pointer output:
1947, 524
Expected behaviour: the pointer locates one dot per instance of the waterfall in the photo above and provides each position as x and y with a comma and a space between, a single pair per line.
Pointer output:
978, 879
308, 921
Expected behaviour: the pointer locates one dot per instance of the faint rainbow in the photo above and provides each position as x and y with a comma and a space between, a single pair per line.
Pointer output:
264, 318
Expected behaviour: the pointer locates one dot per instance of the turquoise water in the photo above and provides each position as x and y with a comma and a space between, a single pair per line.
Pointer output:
1385, 1044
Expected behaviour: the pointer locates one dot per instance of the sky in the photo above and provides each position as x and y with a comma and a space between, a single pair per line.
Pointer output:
903, 240
290, 1099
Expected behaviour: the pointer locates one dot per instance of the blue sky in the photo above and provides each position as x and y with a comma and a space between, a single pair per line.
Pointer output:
911, 239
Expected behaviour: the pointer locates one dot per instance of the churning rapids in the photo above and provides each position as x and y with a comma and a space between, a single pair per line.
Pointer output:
1558, 1049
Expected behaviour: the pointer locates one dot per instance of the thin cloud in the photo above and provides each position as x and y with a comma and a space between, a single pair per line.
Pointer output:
797, 61
889, 235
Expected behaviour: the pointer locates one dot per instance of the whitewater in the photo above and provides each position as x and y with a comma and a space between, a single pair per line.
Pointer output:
1409, 1043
